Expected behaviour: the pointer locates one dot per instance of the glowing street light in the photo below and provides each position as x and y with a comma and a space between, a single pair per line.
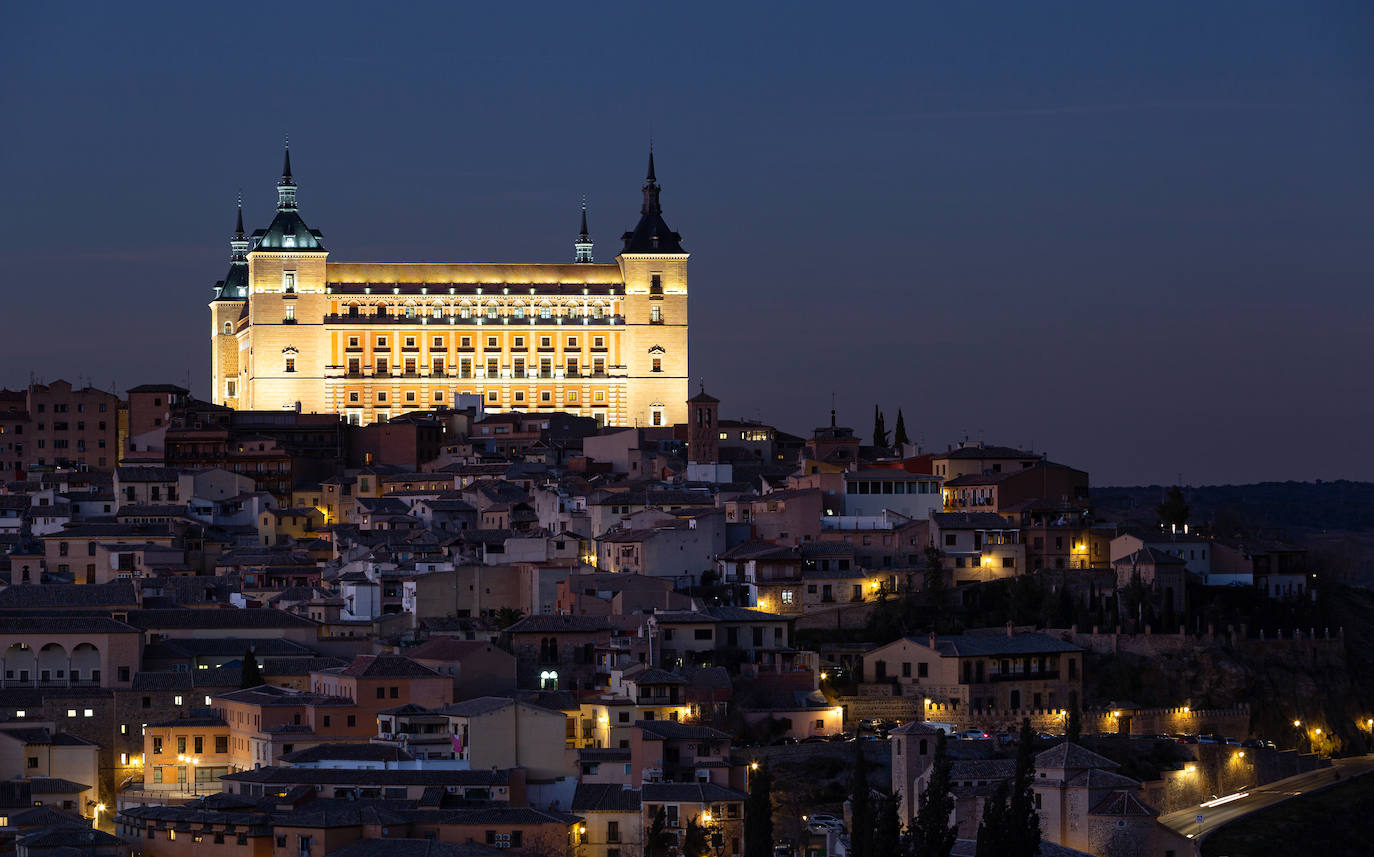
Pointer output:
1297, 724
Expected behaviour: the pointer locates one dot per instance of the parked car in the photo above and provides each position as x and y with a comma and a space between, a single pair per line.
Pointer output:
784, 740
821, 823
973, 735
1258, 744
1234, 742
1210, 739
1186, 739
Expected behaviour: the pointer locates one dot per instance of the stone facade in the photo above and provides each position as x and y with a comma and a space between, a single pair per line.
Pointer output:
293, 330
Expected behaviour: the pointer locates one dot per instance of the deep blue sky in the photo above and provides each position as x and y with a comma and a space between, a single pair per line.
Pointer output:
1138, 239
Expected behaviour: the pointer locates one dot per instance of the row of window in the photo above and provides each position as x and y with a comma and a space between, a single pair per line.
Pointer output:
888, 486
493, 342
62, 408
411, 397
494, 369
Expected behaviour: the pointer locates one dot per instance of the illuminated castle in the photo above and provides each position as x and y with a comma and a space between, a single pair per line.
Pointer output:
369, 340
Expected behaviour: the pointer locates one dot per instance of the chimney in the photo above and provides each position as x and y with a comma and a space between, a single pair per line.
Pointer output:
1010, 633
932, 641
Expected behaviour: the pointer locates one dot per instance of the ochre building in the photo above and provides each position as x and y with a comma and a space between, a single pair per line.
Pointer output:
294, 330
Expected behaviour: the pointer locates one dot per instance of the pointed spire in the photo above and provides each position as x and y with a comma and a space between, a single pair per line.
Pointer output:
651, 189
583, 244
286, 185
286, 163
238, 226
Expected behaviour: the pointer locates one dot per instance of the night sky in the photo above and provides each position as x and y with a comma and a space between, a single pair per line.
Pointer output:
1138, 240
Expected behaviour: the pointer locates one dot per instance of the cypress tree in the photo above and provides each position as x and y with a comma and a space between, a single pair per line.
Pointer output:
861, 806
758, 814
1073, 730
992, 828
1022, 820
899, 434
251, 674
931, 833
887, 832
879, 428
655, 841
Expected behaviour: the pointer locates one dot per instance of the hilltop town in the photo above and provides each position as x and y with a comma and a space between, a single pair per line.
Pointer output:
458, 631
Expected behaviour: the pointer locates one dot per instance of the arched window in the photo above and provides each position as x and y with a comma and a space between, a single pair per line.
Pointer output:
410, 310
353, 310
518, 311
465, 310
438, 311
545, 310
381, 310
491, 309
598, 310
228, 327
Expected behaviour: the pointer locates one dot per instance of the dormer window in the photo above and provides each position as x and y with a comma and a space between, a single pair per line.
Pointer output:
288, 241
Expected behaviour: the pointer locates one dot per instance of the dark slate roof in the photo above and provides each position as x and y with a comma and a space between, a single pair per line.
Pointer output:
480, 705
55, 785
656, 676
603, 754
982, 769
208, 646
161, 681
118, 593
146, 474
206, 720
975, 645
392, 847
673, 730
545, 623
349, 776
261, 617
348, 753
1150, 556
449, 649
605, 797
1071, 756
288, 223
387, 666
68, 835
989, 452
56, 624
971, 521
1123, 803
688, 793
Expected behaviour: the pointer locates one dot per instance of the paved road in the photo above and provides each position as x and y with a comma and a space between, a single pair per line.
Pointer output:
1185, 820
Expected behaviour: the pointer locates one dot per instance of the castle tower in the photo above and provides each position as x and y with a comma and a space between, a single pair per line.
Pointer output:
583, 244
287, 303
703, 432
913, 753
226, 307
654, 267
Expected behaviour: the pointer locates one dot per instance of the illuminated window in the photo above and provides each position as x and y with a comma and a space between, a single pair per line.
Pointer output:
410, 310
288, 282
438, 311
655, 314
491, 310
519, 310
787, 596
290, 364
464, 311
572, 396
599, 396
545, 311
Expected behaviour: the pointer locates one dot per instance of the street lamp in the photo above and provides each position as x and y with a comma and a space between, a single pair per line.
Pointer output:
192, 761
95, 819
